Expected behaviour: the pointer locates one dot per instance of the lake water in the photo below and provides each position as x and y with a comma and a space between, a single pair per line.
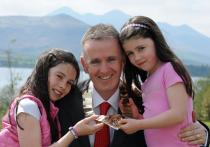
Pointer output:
23, 73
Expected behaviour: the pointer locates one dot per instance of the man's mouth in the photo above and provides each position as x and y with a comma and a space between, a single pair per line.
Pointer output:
105, 77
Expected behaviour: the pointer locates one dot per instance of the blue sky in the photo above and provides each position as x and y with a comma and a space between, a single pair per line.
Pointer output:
194, 13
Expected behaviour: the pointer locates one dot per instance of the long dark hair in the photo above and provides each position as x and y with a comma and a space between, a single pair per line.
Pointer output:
141, 26
37, 82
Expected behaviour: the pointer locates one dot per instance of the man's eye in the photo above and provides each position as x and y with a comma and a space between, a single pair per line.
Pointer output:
140, 48
95, 62
112, 59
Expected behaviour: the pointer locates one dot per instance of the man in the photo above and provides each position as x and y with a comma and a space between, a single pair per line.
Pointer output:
103, 61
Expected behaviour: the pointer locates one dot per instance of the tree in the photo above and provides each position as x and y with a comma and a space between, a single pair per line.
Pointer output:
202, 99
9, 61
8, 91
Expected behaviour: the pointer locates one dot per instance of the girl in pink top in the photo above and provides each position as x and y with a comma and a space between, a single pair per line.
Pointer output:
166, 84
37, 125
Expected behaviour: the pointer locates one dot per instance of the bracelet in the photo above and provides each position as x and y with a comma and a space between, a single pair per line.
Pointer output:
73, 132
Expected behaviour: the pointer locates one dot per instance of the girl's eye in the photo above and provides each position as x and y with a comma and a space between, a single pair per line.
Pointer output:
71, 82
59, 76
129, 54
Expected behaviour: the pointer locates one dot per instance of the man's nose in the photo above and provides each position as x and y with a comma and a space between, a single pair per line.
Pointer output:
104, 67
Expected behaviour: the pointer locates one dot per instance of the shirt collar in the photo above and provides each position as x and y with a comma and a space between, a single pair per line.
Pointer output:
113, 100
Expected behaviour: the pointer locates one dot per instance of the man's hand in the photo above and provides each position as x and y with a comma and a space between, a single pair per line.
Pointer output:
193, 134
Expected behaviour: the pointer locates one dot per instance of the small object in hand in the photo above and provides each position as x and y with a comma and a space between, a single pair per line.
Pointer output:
111, 120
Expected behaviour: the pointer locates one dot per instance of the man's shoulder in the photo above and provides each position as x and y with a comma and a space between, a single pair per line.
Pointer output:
86, 88
84, 85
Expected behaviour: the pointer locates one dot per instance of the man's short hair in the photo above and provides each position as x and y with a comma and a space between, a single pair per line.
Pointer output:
100, 32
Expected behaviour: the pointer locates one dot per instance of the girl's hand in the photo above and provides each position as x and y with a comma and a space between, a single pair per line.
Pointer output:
129, 126
88, 126
132, 108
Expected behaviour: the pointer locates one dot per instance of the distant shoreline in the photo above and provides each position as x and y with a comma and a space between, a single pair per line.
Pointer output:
194, 70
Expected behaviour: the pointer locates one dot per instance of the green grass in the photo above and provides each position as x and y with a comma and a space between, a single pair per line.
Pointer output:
3, 110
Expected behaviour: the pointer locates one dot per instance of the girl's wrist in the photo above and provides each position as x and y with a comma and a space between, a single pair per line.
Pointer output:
73, 131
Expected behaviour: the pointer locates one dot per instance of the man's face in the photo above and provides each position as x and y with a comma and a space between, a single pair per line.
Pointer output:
102, 60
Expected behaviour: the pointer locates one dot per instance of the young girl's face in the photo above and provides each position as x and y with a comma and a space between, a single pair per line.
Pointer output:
60, 80
142, 53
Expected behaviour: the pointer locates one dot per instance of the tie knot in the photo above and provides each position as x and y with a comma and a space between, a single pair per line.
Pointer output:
104, 107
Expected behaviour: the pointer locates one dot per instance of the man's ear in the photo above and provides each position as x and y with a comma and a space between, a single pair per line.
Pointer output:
84, 64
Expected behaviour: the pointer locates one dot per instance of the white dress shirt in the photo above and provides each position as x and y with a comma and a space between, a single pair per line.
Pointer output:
96, 101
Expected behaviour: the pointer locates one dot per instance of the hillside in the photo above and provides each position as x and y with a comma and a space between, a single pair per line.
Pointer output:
27, 37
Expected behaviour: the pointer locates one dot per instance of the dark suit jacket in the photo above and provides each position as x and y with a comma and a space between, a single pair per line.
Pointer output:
208, 139
71, 111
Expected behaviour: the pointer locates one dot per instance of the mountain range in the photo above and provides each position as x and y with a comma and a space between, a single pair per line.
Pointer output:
26, 36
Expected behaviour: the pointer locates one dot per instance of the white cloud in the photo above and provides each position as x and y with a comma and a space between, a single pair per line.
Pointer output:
191, 12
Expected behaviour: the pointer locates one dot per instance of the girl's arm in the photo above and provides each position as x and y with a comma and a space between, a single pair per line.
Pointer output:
177, 98
31, 135
82, 128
